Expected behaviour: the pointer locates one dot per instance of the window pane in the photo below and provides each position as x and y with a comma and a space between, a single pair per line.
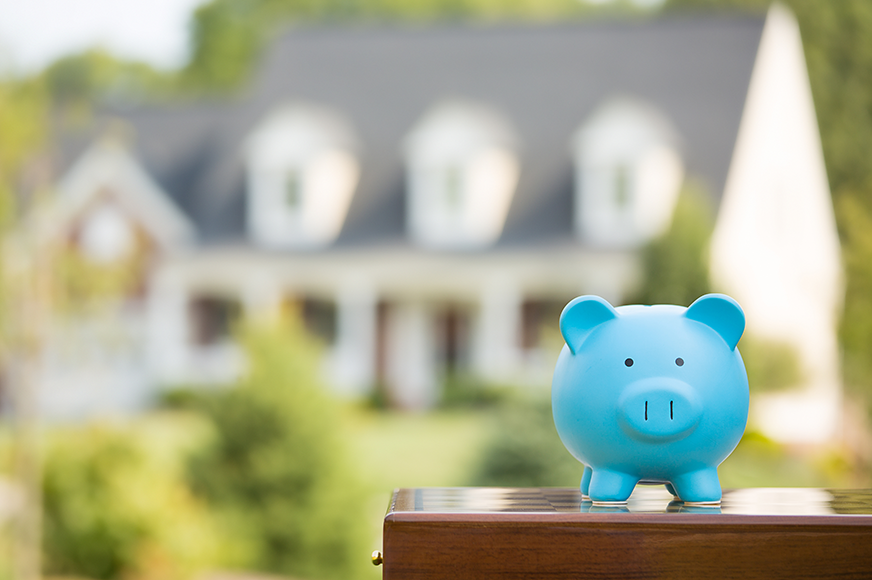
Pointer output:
453, 189
319, 318
212, 319
622, 186
539, 319
294, 190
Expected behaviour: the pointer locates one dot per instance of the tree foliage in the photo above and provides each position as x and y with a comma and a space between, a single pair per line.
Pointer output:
276, 471
95, 76
771, 365
23, 134
525, 450
675, 265
252, 477
116, 504
23, 112
856, 330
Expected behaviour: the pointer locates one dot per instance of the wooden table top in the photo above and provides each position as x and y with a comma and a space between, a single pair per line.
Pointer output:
802, 502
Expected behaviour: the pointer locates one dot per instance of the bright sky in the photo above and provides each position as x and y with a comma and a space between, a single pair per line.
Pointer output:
35, 32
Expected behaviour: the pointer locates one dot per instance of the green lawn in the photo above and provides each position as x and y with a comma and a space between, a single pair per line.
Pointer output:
394, 449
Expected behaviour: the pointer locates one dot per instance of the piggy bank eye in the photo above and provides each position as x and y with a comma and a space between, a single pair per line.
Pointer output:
629, 362
679, 362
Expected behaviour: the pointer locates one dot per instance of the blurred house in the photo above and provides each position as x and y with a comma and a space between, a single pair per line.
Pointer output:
426, 197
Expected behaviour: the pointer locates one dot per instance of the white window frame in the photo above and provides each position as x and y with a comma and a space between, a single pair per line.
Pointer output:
462, 171
632, 137
316, 147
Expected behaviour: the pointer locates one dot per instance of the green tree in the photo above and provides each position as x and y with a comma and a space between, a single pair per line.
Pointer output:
856, 329
23, 115
675, 265
771, 365
276, 472
78, 81
23, 132
525, 450
117, 505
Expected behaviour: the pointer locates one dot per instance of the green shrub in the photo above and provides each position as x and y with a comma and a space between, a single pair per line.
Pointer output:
116, 504
525, 450
276, 472
461, 391
771, 365
675, 265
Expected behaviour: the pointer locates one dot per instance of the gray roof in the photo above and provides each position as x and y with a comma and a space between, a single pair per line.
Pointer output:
546, 79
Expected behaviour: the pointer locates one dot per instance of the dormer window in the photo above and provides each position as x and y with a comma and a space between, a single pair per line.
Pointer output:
302, 173
627, 174
461, 170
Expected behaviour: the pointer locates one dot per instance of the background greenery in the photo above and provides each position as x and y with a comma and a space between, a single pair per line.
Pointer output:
116, 505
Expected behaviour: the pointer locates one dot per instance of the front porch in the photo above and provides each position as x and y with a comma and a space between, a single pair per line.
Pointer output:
400, 321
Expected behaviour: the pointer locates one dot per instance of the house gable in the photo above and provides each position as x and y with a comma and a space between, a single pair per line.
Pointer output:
107, 186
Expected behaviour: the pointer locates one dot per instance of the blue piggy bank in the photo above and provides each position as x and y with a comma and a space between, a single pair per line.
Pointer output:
657, 394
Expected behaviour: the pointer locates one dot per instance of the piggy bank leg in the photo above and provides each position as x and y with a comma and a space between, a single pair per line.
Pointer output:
611, 486
671, 489
700, 486
585, 482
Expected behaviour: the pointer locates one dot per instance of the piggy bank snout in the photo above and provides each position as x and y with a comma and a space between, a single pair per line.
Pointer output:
659, 409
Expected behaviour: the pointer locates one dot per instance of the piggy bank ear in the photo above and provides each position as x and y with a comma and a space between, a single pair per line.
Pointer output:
581, 316
722, 314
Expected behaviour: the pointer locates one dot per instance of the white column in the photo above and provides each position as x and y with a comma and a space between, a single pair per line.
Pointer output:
352, 362
498, 332
411, 368
168, 327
